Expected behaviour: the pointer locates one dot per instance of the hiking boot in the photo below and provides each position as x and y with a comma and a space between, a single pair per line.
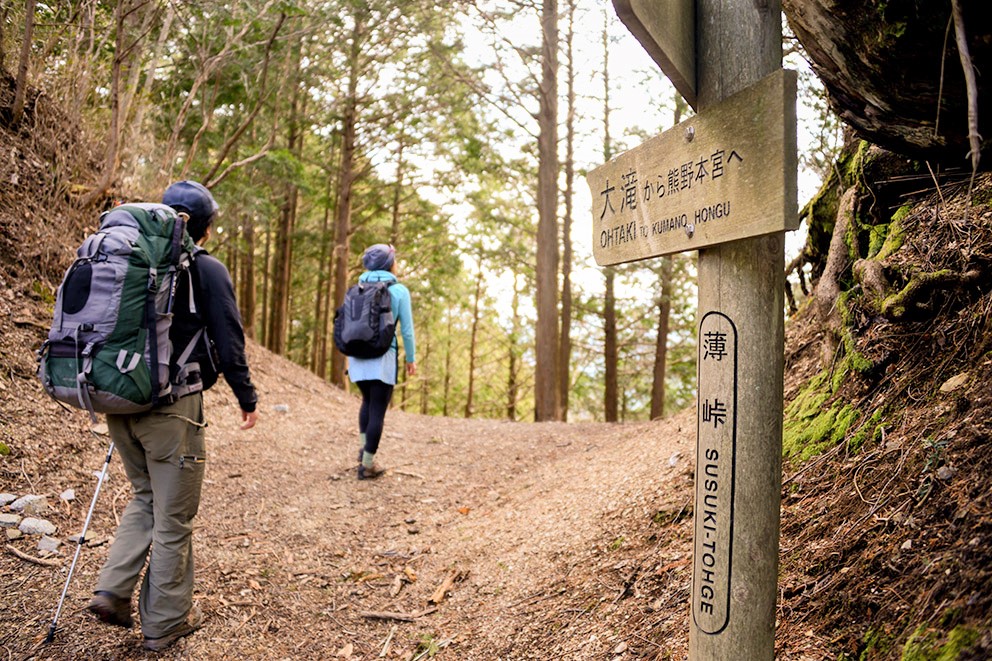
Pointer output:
193, 622
111, 609
365, 473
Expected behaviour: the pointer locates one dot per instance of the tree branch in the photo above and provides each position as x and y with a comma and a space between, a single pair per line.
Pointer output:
974, 139
262, 95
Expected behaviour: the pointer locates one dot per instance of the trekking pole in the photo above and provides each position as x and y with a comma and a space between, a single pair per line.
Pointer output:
79, 545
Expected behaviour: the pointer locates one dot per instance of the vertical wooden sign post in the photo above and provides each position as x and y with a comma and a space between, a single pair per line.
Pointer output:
722, 182
740, 372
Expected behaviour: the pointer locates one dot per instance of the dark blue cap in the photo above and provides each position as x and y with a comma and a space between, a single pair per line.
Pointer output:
193, 198
379, 257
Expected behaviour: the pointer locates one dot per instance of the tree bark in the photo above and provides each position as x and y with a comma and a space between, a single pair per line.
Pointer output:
547, 406
21, 85
109, 170
892, 75
838, 262
661, 340
266, 284
151, 68
447, 368
611, 402
469, 399
664, 310
513, 378
246, 298
148, 14
394, 229
277, 336
346, 180
321, 303
424, 368
610, 396
565, 354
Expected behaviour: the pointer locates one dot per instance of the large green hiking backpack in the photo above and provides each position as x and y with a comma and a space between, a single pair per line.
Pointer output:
108, 349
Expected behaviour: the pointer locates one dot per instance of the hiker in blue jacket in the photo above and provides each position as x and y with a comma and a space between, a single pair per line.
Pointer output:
375, 377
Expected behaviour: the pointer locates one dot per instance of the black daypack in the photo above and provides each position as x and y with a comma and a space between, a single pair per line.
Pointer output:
364, 326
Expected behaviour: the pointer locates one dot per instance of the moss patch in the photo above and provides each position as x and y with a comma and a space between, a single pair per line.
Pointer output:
871, 430
930, 645
876, 239
877, 643
810, 427
895, 234
894, 306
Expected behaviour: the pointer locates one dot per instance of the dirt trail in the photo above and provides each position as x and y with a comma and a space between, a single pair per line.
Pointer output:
295, 556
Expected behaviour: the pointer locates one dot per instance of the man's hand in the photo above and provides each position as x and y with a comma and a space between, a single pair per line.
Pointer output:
411, 369
249, 419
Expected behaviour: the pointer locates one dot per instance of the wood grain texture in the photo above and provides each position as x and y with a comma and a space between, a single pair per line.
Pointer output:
739, 43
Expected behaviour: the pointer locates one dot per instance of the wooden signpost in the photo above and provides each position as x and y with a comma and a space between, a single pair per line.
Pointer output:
746, 122
719, 176
666, 30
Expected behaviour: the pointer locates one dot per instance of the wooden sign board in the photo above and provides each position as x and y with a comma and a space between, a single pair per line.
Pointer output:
667, 31
726, 174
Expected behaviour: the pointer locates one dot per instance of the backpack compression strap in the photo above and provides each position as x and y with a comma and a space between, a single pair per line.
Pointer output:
151, 316
82, 376
150, 326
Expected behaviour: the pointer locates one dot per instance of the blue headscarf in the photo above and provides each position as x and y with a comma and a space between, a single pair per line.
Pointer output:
379, 257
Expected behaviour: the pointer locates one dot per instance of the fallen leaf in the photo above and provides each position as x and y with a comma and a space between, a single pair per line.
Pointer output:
464, 510
254, 585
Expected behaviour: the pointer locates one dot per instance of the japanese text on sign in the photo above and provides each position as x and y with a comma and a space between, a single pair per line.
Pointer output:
715, 460
657, 185
727, 173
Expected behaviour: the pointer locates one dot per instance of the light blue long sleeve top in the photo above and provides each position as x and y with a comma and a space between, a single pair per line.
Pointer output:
383, 368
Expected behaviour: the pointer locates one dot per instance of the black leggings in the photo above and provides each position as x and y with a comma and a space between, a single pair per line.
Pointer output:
375, 401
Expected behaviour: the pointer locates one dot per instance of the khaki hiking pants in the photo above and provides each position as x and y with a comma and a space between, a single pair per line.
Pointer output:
163, 452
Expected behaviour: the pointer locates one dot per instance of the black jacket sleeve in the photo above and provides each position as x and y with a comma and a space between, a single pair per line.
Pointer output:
224, 327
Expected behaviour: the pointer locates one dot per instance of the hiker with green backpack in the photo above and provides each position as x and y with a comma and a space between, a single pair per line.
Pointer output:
146, 367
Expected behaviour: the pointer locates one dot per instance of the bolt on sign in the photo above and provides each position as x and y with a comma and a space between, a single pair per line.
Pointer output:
726, 174
716, 453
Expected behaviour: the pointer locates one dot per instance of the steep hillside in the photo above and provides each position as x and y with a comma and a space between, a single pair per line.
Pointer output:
887, 505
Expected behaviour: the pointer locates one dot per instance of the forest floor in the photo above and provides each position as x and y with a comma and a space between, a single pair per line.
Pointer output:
296, 558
